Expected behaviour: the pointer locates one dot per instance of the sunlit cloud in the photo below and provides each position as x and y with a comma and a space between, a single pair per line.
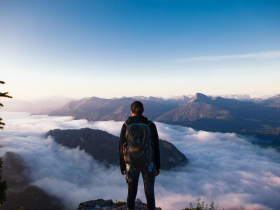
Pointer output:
261, 55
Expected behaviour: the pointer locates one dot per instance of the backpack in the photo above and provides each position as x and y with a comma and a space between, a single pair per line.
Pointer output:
138, 152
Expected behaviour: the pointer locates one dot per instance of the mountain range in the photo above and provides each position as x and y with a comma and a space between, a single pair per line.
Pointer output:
118, 109
216, 114
200, 111
220, 114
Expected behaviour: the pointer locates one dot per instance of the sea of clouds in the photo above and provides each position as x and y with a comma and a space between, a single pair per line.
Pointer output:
223, 167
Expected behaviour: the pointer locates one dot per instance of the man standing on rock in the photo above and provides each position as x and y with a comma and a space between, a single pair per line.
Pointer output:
139, 152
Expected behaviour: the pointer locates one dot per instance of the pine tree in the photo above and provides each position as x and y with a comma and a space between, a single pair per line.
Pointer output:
1, 105
202, 206
191, 206
3, 184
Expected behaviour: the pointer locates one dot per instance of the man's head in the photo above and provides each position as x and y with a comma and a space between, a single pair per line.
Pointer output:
137, 108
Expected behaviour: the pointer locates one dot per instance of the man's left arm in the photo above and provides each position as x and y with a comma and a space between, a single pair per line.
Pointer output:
155, 139
122, 136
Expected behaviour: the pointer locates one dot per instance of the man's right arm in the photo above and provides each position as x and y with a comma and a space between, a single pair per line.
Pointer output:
122, 140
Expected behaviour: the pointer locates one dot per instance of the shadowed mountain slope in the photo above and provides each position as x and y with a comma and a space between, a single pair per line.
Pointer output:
265, 138
104, 147
20, 192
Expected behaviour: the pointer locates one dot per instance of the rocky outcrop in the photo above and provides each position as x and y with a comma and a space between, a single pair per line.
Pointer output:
101, 204
104, 146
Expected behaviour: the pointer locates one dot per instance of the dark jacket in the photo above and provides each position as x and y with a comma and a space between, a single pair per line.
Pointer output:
154, 138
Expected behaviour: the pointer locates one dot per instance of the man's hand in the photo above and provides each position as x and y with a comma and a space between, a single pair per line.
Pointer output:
157, 172
123, 172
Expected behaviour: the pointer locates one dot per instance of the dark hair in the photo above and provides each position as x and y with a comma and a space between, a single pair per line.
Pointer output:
137, 108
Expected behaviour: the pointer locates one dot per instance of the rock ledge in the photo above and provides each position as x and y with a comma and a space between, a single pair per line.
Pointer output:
101, 204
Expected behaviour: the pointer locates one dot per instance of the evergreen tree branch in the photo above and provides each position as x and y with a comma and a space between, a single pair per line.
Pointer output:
5, 95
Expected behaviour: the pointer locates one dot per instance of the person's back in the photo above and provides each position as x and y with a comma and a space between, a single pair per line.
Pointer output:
132, 172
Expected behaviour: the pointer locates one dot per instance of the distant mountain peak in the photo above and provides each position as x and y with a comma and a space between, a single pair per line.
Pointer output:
274, 97
199, 97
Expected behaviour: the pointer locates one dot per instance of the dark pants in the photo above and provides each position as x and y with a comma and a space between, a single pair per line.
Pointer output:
149, 184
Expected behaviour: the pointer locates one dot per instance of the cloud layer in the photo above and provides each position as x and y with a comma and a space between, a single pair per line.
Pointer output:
225, 168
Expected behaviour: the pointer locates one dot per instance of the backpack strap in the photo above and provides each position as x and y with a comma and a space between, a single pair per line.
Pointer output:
138, 123
126, 127
152, 141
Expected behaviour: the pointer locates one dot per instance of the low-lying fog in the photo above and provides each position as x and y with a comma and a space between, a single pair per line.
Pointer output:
224, 168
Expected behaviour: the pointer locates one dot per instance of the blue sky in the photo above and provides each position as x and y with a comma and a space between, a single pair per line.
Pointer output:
151, 48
